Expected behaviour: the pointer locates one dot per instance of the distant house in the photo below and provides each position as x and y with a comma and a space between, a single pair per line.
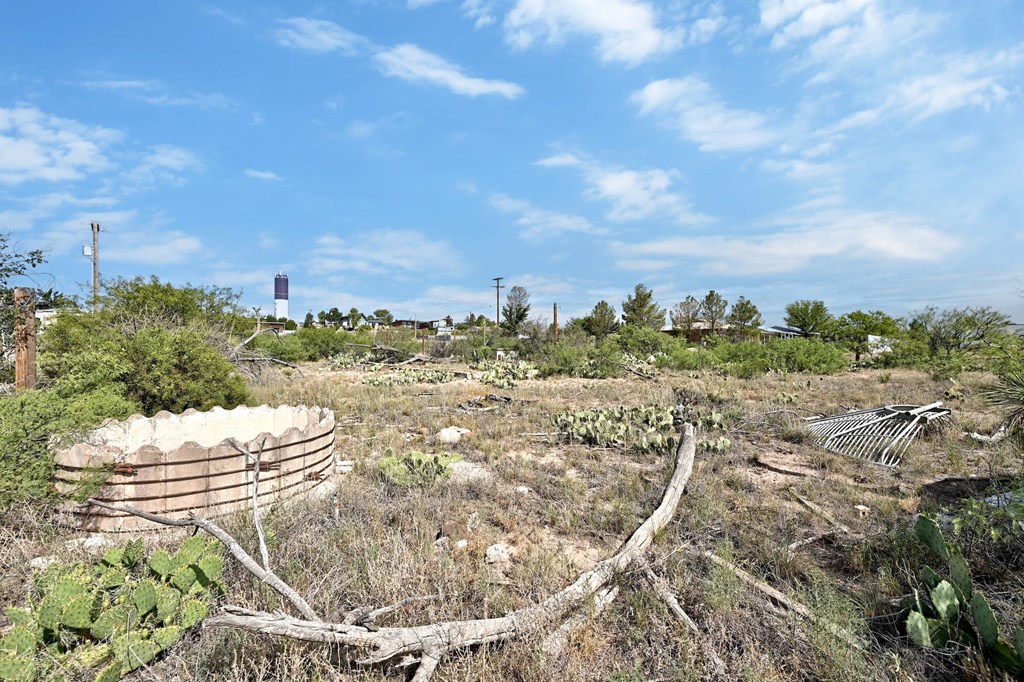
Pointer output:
351, 323
46, 316
417, 325
700, 330
783, 332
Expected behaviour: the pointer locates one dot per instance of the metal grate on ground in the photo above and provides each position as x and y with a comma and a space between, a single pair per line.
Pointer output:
880, 435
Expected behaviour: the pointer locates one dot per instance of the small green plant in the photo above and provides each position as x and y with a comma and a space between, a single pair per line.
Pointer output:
952, 610
718, 445
416, 469
637, 428
407, 376
119, 613
505, 373
345, 360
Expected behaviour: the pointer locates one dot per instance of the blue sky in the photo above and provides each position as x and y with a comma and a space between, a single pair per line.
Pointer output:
401, 153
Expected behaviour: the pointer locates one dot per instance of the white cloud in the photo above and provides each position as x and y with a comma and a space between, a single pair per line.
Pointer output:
633, 194
318, 35
262, 174
413, 63
38, 146
801, 19
159, 94
151, 247
216, 11
480, 12
539, 223
162, 164
44, 206
690, 107
383, 252
801, 239
626, 30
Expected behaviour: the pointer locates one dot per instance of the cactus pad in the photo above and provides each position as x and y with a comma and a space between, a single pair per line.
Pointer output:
167, 600
132, 552
48, 613
929, 577
135, 652
211, 567
167, 637
183, 578
76, 614
90, 656
112, 673
20, 617
1018, 643
193, 612
20, 641
190, 551
931, 536
144, 597
161, 563
917, 628
114, 576
984, 620
945, 601
960, 576
115, 622
18, 669
66, 589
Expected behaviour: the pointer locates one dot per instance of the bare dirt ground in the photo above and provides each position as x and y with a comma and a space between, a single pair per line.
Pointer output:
559, 507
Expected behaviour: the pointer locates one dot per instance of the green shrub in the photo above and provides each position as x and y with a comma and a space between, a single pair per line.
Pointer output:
642, 341
748, 359
119, 613
416, 469
32, 422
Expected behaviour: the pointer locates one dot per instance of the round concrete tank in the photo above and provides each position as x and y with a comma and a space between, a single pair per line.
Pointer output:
174, 464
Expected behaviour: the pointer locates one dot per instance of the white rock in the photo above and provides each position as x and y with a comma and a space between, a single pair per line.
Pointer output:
462, 544
451, 434
498, 554
41, 562
523, 490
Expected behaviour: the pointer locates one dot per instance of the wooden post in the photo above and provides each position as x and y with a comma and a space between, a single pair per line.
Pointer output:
554, 310
24, 339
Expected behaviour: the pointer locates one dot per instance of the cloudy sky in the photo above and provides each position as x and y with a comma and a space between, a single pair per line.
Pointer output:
401, 153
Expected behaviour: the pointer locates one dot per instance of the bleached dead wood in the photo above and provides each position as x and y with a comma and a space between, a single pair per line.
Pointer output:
822, 513
664, 592
430, 643
999, 435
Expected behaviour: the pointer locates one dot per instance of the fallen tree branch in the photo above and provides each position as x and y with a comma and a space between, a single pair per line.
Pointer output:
821, 512
782, 600
255, 459
432, 642
666, 595
235, 549
999, 435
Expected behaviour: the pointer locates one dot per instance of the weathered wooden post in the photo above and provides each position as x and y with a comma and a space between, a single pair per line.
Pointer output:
24, 339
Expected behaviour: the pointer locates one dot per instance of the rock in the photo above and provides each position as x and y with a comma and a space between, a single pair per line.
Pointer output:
467, 472
523, 490
498, 554
451, 434
462, 544
41, 562
94, 544
862, 510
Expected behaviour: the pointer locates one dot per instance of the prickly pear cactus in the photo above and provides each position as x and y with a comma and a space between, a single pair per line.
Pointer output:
646, 429
117, 615
931, 536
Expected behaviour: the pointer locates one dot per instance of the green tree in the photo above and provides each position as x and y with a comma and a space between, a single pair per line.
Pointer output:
810, 317
744, 316
516, 309
854, 328
333, 316
713, 308
602, 320
641, 310
685, 314
308, 322
384, 316
957, 329
148, 299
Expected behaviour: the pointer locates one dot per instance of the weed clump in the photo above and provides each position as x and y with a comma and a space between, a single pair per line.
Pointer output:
416, 469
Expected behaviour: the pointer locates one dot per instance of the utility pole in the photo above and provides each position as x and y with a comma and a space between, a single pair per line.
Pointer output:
95, 267
498, 286
555, 314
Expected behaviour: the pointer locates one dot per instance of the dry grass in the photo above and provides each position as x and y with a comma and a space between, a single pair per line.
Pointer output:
581, 504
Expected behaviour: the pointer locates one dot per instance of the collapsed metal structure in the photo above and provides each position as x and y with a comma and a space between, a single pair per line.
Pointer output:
880, 435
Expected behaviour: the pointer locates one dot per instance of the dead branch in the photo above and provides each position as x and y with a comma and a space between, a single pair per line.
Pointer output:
255, 459
822, 513
235, 549
666, 595
999, 435
432, 642
780, 599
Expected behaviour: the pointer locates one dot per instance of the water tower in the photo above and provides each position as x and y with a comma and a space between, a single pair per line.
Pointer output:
281, 296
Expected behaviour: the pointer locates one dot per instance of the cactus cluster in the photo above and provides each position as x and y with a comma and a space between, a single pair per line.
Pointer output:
417, 469
119, 613
953, 610
505, 373
407, 376
637, 428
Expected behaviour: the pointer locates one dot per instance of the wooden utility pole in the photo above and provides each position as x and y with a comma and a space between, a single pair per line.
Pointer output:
95, 267
24, 339
497, 299
554, 312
